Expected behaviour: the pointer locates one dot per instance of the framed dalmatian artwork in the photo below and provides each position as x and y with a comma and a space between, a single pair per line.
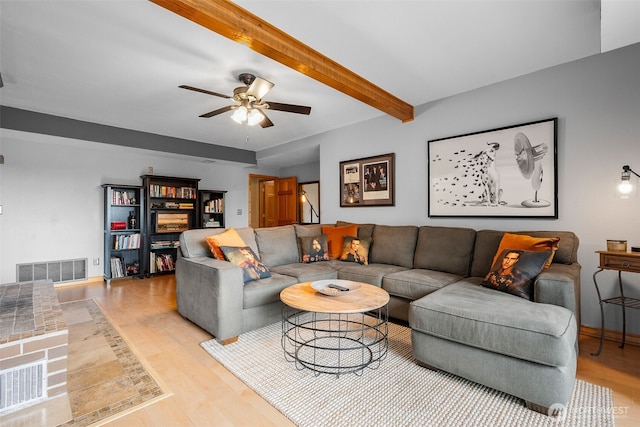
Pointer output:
505, 172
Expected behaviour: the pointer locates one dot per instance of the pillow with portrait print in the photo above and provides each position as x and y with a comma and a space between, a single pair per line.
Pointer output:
528, 243
314, 248
335, 237
515, 271
356, 249
246, 259
229, 237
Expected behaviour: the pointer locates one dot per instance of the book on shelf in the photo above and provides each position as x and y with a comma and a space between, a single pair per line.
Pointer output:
163, 244
120, 269
117, 269
156, 190
123, 197
161, 262
214, 206
126, 241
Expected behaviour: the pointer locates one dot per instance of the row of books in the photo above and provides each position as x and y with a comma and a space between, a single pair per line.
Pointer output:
214, 206
164, 244
120, 269
156, 190
123, 198
175, 205
161, 262
126, 241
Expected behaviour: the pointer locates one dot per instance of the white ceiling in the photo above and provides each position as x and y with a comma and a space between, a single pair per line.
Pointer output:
119, 63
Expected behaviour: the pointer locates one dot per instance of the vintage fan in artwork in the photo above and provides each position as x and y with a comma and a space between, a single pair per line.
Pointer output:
251, 106
528, 158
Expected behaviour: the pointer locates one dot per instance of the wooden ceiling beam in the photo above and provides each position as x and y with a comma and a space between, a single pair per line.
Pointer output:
240, 25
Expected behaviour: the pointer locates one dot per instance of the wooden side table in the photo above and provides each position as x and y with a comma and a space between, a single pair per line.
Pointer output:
628, 262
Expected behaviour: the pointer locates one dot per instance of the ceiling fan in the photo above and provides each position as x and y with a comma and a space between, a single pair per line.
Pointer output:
251, 106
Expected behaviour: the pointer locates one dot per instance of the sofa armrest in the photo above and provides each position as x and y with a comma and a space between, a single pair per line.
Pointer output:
209, 292
560, 285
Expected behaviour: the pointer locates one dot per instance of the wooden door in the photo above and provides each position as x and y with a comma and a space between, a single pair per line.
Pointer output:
287, 196
268, 204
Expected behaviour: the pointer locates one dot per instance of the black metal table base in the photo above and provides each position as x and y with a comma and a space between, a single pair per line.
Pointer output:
330, 343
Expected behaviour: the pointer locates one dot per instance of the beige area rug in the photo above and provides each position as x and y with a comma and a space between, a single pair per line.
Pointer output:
398, 392
105, 378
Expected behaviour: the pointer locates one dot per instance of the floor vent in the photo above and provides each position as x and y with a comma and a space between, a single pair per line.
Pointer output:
56, 271
22, 386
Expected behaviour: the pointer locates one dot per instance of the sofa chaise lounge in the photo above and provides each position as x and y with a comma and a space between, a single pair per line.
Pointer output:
432, 274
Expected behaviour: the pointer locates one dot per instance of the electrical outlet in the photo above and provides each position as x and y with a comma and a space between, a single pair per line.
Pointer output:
239, 212
96, 261
150, 169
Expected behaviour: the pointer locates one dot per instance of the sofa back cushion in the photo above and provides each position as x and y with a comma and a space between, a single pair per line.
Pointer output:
364, 230
277, 245
488, 241
394, 245
193, 242
446, 249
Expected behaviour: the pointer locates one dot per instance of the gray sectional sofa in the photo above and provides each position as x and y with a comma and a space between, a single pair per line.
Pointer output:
432, 274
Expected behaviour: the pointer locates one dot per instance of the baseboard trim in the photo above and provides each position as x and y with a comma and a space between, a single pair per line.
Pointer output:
609, 335
95, 279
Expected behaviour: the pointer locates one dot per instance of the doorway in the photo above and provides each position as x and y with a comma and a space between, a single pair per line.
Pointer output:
273, 201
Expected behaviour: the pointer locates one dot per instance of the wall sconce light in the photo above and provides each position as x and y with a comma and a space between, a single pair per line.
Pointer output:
625, 188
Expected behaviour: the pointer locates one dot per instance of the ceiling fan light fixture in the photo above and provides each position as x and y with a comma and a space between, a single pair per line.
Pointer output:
254, 117
240, 115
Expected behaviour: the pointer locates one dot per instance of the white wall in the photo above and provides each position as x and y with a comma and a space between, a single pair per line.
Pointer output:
52, 197
597, 102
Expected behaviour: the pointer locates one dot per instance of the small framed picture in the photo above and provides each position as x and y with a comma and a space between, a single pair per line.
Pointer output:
368, 181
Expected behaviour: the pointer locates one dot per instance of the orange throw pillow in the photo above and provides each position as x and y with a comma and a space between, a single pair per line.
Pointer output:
227, 238
335, 237
528, 243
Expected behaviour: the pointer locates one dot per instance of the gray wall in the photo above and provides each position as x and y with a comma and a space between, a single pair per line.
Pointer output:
50, 186
597, 102
50, 189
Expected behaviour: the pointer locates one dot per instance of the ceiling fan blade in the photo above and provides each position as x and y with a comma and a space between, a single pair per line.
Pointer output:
218, 111
259, 88
208, 92
266, 123
299, 109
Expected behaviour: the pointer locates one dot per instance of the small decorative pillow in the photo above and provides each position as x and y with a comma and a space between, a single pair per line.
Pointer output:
528, 243
314, 248
245, 258
515, 271
226, 238
335, 238
356, 250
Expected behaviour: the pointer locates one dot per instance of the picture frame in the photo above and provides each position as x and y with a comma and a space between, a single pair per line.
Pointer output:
508, 172
368, 181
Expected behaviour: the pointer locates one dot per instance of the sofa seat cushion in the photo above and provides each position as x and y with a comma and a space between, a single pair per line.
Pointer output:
308, 272
371, 274
498, 322
265, 291
416, 283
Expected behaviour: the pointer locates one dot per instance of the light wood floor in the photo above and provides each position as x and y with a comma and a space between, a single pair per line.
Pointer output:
204, 393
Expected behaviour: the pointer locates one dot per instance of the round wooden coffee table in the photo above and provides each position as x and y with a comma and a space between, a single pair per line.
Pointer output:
335, 334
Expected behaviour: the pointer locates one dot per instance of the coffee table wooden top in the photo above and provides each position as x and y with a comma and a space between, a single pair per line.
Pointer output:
303, 297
